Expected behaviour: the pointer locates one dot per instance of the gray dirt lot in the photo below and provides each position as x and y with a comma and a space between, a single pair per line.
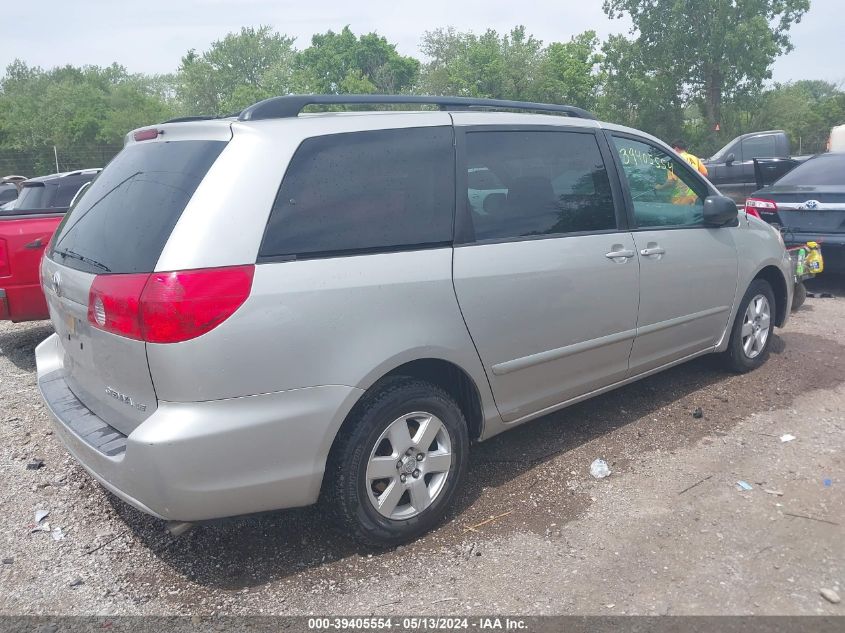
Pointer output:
667, 532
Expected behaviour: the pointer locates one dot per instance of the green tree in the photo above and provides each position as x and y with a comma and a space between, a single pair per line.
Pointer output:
487, 65
338, 63
569, 72
83, 112
236, 71
714, 48
75, 107
807, 110
636, 94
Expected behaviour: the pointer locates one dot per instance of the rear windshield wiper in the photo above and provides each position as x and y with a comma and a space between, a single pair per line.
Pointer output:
74, 255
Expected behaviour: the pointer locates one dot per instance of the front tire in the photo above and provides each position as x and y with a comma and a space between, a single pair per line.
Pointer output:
397, 463
751, 334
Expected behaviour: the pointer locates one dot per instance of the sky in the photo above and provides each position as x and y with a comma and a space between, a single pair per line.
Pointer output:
151, 36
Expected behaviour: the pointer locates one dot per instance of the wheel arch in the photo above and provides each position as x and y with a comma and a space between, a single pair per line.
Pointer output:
446, 374
773, 272
453, 380
774, 277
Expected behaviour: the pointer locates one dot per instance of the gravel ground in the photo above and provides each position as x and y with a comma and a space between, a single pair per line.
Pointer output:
668, 532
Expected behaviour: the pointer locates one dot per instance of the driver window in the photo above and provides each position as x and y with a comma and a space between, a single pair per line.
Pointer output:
664, 193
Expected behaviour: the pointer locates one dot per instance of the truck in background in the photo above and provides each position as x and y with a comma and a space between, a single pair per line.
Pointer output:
732, 168
25, 231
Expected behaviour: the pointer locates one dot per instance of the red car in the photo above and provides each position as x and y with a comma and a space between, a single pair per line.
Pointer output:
26, 226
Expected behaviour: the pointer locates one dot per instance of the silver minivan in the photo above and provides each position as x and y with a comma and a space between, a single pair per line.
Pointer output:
279, 308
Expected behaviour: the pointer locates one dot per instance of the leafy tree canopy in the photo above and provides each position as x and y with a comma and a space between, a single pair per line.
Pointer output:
685, 67
714, 49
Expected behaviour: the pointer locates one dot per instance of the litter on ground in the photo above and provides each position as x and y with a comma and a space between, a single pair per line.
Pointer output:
599, 469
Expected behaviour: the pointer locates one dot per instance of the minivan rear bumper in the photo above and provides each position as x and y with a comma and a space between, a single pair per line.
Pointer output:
204, 460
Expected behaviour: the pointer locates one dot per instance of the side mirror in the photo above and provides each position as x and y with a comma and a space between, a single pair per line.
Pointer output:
730, 158
719, 211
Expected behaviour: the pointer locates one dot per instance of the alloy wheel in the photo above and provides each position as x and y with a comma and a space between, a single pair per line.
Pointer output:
409, 465
756, 326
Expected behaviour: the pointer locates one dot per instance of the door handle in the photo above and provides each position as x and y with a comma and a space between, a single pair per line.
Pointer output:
654, 250
620, 256
35, 244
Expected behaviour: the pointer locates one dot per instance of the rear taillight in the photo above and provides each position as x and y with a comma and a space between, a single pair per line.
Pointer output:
168, 307
753, 206
114, 304
178, 306
4, 259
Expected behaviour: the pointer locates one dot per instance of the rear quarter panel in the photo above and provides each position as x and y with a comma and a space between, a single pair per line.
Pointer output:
343, 321
336, 321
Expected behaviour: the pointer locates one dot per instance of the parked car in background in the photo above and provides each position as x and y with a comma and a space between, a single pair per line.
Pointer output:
808, 205
26, 226
52, 192
10, 187
345, 330
731, 169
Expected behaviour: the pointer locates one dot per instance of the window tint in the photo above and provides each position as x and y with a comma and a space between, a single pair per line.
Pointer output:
124, 219
663, 191
38, 196
825, 169
65, 193
758, 147
544, 183
364, 191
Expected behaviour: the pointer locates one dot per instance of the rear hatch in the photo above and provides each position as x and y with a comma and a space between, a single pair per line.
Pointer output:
116, 231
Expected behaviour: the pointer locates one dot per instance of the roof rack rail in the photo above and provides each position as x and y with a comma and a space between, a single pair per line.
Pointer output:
291, 105
184, 119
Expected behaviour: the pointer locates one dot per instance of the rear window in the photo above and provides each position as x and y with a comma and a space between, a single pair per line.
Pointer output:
822, 170
364, 192
38, 196
124, 219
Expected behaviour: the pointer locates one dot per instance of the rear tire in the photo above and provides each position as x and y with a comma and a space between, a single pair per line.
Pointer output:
397, 464
751, 334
